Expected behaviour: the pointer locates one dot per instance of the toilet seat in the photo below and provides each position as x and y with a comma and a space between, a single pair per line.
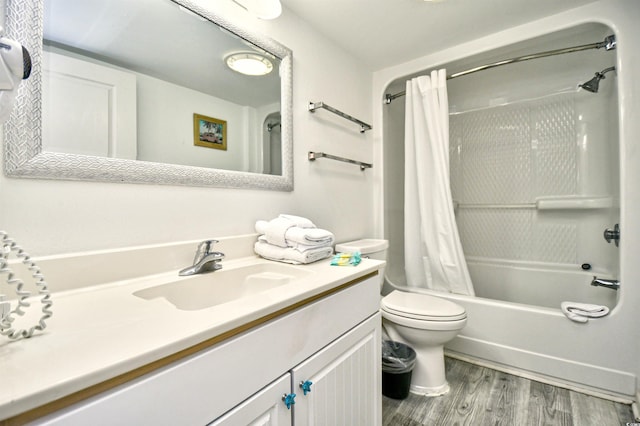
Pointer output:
421, 307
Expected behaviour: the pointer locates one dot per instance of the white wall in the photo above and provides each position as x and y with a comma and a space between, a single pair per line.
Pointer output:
54, 217
618, 338
165, 126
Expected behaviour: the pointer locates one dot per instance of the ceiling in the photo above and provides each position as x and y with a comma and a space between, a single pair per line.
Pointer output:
126, 33
382, 33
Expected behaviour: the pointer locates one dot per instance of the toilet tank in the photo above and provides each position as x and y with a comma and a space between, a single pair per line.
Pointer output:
371, 248
374, 249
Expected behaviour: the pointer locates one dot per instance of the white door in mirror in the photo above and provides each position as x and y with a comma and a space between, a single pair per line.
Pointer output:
81, 99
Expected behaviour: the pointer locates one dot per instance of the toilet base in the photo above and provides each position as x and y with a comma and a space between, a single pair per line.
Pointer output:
430, 391
429, 373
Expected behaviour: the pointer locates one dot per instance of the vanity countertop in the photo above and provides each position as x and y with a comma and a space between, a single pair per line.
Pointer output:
98, 333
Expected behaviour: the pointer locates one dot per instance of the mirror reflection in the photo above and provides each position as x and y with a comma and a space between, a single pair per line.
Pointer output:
149, 80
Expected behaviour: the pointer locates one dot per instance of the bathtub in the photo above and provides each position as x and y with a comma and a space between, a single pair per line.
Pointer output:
538, 284
534, 339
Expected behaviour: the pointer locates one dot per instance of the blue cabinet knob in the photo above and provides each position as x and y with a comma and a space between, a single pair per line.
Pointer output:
306, 386
289, 399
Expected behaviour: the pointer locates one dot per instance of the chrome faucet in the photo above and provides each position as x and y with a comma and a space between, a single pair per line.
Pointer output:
205, 260
601, 282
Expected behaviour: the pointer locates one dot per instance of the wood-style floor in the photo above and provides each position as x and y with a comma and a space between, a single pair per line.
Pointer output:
481, 396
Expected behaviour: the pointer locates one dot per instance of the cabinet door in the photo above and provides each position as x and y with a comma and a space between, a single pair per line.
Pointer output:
345, 380
265, 408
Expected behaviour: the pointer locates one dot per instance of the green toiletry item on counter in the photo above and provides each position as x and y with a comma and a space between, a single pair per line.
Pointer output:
346, 259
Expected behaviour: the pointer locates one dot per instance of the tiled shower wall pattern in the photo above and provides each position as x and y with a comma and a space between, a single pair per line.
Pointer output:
502, 159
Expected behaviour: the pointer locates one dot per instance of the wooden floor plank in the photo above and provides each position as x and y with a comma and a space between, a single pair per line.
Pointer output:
625, 414
481, 396
389, 410
588, 409
549, 405
505, 403
474, 383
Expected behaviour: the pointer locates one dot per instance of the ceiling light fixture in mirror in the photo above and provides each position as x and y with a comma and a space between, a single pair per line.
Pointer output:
24, 153
249, 63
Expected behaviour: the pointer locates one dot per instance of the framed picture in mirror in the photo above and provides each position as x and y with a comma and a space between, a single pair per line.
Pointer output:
209, 132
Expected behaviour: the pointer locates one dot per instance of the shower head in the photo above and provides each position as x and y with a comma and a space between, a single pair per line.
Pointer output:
592, 85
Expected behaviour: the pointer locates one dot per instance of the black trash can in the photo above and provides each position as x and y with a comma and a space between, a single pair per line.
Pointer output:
398, 361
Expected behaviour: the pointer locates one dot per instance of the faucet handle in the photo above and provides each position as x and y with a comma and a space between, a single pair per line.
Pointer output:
205, 246
613, 234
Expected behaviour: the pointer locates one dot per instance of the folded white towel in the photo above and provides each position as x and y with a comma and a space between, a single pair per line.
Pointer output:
309, 236
581, 312
276, 231
294, 236
301, 222
289, 255
300, 247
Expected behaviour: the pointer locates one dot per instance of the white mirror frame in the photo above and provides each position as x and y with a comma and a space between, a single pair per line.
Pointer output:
23, 155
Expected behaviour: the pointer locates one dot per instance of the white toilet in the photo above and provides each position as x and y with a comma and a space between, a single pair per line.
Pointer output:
421, 321
425, 323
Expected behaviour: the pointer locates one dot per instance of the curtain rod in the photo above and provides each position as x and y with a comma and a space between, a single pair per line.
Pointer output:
609, 43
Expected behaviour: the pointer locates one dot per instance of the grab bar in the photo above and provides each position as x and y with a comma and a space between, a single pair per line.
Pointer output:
550, 203
495, 206
315, 105
315, 155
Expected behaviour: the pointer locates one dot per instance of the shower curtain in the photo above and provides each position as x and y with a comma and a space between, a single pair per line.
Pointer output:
433, 252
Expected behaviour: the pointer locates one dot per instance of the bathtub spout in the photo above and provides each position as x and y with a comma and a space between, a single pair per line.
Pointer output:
601, 282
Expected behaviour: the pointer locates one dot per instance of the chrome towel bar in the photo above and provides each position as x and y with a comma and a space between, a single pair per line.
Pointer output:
315, 155
315, 105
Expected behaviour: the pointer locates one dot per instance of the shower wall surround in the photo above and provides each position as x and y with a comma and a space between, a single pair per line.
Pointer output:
514, 153
506, 158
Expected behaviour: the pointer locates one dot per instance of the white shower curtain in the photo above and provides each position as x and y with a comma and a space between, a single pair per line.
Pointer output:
433, 253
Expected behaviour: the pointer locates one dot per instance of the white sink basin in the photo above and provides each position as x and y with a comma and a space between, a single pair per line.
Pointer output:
214, 288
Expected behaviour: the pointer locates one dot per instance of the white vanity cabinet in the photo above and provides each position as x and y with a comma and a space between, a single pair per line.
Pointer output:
345, 381
341, 382
332, 341
265, 408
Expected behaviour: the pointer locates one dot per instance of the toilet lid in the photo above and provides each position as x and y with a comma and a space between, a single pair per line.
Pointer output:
422, 306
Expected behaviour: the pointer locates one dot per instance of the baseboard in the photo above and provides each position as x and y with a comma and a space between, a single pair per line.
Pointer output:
600, 382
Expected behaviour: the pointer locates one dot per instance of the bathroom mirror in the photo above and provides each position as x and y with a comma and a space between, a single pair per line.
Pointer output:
27, 156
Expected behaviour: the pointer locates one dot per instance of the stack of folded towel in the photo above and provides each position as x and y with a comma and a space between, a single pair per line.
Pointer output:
293, 239
581, 312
